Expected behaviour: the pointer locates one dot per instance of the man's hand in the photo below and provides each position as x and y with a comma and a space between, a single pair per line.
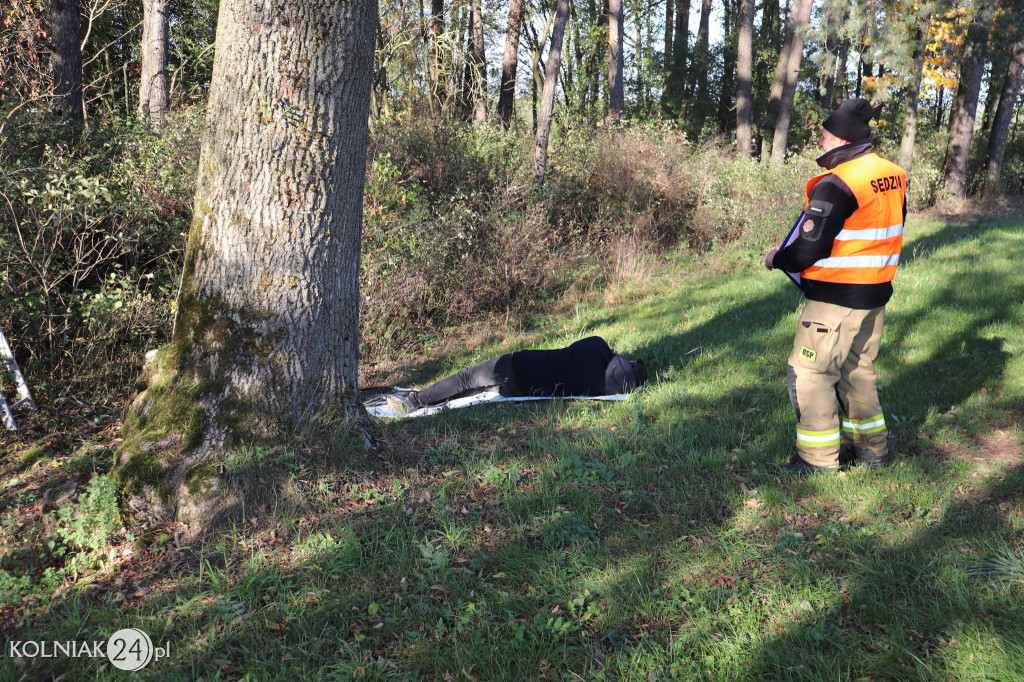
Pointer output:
769, 258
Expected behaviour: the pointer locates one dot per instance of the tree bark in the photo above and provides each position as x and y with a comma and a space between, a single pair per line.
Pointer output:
478, 64
616, 92
779, 80
154, 95
1004, 114
675, 79
800, 16
999, 65
744, 74
669, 19
965, 106
914, 97
540, 152
465, 87
66, 60
266, 336
509, 64
537, 62
696, 84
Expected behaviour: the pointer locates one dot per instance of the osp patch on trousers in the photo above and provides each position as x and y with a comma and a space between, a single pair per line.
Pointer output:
833, 357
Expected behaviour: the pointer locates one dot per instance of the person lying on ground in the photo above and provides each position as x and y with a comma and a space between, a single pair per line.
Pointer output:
588, 367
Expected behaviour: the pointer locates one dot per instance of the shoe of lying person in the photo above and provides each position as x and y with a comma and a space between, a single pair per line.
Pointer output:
402, 404
798, 467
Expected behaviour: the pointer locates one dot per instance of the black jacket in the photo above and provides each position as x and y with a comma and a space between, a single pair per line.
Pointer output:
810, 247
576, 370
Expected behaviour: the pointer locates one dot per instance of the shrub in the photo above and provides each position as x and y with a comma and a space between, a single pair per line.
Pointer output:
90, 240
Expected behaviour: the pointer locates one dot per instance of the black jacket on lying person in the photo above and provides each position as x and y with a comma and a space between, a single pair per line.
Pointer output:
576, 370
586, 368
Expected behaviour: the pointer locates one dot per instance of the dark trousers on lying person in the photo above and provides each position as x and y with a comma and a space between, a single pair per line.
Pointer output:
494, 372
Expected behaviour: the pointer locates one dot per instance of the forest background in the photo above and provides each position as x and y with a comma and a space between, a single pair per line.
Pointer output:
662, 135
102, 104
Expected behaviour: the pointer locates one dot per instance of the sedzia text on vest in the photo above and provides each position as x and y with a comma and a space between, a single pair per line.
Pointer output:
886, 184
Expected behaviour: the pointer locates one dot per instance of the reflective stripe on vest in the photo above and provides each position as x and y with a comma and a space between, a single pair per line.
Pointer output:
867, 250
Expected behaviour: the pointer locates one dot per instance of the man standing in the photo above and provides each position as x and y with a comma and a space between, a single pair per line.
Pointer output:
846, 251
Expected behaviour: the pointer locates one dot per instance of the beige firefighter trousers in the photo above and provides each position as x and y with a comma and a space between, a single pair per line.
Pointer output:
833, 357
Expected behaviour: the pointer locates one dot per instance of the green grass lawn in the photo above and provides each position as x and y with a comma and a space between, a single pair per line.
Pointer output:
646, 540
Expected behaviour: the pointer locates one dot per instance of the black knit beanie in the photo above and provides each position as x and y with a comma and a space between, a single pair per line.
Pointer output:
850, 120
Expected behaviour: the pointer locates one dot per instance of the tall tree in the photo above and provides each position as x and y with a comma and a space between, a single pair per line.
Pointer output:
800, 16
914, 94
669, 25
266, 335
729, 47
154, 84
616, 91
696, 84
547, 106
744, 74
509, 63
965, 107
477, 63
1004, 114
66, 60
675, 79
437, 68
833, 18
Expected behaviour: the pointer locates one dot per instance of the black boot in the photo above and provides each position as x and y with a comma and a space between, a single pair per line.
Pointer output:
798, 467
867, 458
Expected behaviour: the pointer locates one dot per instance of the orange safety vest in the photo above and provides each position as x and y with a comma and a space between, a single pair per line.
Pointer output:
867, 250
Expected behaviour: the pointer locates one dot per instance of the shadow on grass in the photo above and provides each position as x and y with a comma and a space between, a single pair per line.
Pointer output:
584, 561
904, 606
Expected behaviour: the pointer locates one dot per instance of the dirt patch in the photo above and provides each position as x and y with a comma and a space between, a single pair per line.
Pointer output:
998, 449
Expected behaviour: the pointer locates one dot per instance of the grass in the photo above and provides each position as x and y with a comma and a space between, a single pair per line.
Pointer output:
651, 539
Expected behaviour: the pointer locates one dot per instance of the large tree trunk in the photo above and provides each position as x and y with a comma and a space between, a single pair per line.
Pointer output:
800, 16
478, 64
67, 60
154, 95
547, 105
266, 336
744, 74
1004, 114
616, 92
509, 63
914, 97
965, 106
